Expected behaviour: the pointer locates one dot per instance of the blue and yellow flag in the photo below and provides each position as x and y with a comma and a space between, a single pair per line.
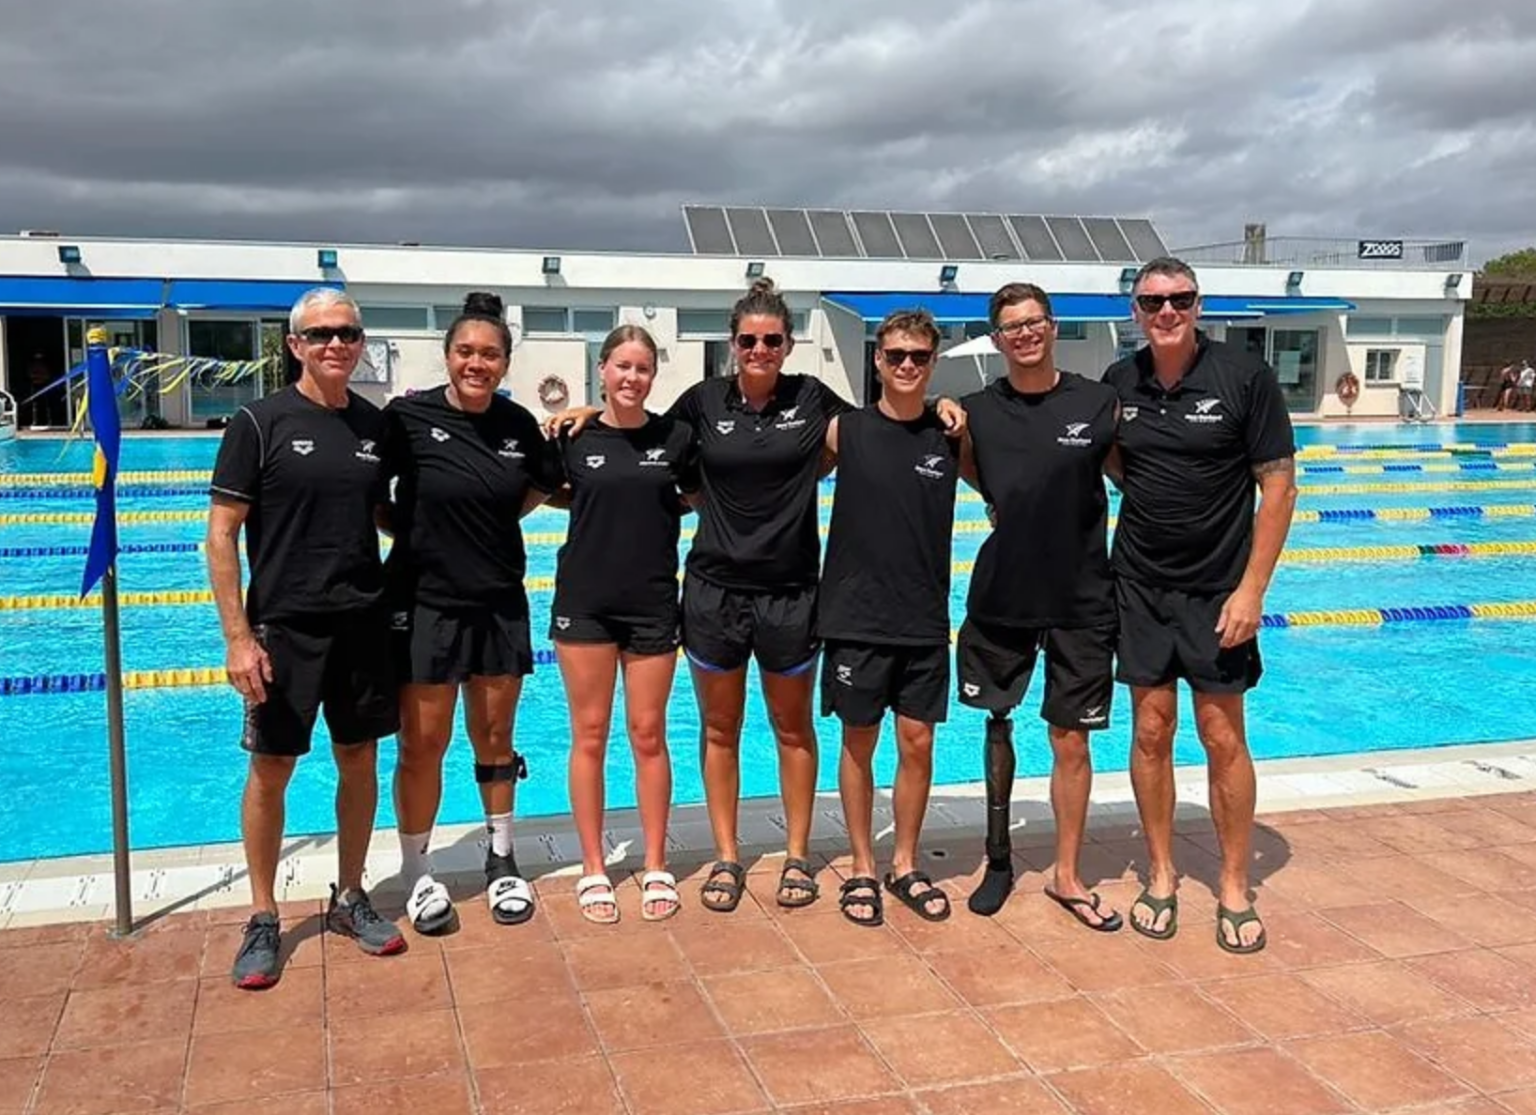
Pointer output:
107, 428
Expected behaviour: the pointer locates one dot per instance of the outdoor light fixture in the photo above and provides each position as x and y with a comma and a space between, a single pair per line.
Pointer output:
551, 265
755, 269
1293, 282
948, 273
69, 253
1127, 279
326, 259
1452, 281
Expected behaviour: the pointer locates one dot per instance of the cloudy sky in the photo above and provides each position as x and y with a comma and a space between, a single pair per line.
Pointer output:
555, 123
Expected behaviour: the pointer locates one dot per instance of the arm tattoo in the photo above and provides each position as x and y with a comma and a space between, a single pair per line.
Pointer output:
1286, 465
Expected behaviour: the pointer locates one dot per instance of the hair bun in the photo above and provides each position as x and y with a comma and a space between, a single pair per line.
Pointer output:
484, 304
762, 286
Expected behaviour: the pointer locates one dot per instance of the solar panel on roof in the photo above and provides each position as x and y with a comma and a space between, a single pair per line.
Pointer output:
1108, 239
878, 237
1143, 239
1074, 242
992, 236
708, 230
1035, 238
917, 239
750, 228
954, 236
793, 232
832, 233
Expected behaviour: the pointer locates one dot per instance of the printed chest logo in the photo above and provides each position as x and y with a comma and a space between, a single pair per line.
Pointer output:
596, 460
1205, 412
563, 622
1128, 414
303, 446
725, 426
438, 434
655, 458
1074, 435
787, 419
931, 466
365, 451
509, 449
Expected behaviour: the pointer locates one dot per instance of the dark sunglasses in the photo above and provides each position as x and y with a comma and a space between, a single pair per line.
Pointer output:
325, 334
1179, 300
748, 341
896, 357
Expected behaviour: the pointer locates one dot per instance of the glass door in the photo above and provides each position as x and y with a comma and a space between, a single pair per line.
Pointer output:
133, 406
212, 401
1294, 356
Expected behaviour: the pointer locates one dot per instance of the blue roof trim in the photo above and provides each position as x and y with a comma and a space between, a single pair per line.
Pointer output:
238, 294
952, 308
116, 299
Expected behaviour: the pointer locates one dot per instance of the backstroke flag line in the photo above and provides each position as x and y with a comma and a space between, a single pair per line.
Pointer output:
107, 428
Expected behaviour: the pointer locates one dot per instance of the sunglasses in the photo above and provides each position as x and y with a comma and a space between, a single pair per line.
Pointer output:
896, 357
748, 341
325, 334
1179, 300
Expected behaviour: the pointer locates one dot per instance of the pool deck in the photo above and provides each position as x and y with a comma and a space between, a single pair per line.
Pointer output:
1399, 891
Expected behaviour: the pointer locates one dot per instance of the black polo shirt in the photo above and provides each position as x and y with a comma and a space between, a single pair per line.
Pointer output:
312, 477
886, 578
1040, 465
457, 510
1186, 520
758, 472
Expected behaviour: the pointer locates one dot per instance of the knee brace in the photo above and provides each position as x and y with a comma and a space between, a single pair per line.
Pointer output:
502, 772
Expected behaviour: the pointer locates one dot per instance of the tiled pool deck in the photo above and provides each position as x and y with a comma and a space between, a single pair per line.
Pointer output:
1399, 891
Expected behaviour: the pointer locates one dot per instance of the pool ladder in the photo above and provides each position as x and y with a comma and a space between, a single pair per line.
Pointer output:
1415, 406
7, 415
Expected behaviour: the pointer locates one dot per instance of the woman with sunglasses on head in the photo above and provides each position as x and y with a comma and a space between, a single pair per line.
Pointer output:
616, 607
469, 464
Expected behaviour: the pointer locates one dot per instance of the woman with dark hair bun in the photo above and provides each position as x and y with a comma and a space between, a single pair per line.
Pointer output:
469, 464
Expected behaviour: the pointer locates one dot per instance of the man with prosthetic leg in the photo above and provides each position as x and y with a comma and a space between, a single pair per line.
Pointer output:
1037, 444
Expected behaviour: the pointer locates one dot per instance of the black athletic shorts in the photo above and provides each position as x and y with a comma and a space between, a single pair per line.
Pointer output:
722, 628
1165, 635
340, 663
631, 636
436, 646
995, 664
859, 681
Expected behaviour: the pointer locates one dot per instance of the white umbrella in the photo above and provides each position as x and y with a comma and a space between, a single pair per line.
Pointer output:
978, 349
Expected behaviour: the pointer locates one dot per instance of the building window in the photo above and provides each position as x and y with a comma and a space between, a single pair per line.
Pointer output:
1432, 327
703, 323
1381, 365
1368, 327
545, 319
385, 319
225, 340
592, 321
1071, 330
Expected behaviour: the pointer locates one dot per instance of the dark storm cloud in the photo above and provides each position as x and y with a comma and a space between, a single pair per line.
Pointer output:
541, 123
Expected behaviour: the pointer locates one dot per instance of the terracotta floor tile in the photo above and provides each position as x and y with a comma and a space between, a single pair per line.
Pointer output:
232, 1067
1173, 1019
1339, 840
1375, 1070
415, 981
823, 940
1192, 953
886, 988
994, 977
58, 933
445, 1094
380, 1047
1482, 977
708, 1078
818, 1066
495, 1038
477, 929
884, 1105
523, 970
1283, 1006
300, 946
38, 971
1316, 884
126, 1013
291, 1103
576, 1086
1062, 1034
1524, 955
1411, 834
1489, 921
172, 954
1481, 1051
29, 1024
1398, 877
1018, 1095
1106, 962
783, 999
763, 885
1133, 1089
1488, 827
597, 965
655, 1014
711, 948
298, 999
1256, 1082
1488, 869
18, 1078
1521, 1102
114, 1078
1396, 930
1305, 940
932, 1049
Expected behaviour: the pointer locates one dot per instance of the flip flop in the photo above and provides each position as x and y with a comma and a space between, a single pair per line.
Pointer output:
1107, 923
1157, 906
1235, 920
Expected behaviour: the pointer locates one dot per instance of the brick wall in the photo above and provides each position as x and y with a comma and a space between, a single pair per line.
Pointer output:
1491, 343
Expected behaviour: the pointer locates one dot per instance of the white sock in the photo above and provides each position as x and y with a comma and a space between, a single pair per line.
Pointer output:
415, 855
499, 825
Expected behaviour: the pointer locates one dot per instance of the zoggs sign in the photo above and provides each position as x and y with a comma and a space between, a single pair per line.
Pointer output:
1380, 249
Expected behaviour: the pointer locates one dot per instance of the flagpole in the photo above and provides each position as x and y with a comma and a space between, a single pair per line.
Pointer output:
122, 870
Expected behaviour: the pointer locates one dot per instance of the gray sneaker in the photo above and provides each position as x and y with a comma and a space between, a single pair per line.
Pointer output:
256, 964
360, 921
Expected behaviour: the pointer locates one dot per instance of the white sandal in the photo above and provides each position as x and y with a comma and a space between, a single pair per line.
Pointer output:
597, 890
429, 908
510, 898
659, 886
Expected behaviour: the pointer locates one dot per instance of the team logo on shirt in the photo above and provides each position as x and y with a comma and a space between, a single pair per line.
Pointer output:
655, 458
1093, 715
439, 435
930, 466
509, 449
303, 446
596, 460
725, 426
563, 622
787, 419
1205, 411
365, 451
1127, 414
971, 689
845, 675
1074, 435
400, 621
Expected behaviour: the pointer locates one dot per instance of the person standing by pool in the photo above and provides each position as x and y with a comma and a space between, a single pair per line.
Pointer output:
884, 607
299, 472
1201, 425
616, 606
470, 464
1036, 447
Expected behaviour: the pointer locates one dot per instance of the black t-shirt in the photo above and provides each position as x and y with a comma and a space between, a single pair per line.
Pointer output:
1040, 464
1186, 520
886, 578
620, 555
758, 471
457, 506
312, 477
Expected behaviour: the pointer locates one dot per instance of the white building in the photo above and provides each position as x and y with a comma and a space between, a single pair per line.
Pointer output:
1391, 312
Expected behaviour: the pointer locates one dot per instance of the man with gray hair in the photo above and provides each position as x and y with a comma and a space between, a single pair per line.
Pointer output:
1203, 425
299, 471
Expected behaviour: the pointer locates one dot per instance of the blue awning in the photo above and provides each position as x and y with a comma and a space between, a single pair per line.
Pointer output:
237, 294
116, 299
951, 308
1220, 305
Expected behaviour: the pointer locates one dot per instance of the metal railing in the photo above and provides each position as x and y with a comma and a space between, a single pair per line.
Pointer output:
1354, 252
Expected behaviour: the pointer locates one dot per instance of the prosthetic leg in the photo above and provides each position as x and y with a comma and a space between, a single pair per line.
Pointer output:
997, 883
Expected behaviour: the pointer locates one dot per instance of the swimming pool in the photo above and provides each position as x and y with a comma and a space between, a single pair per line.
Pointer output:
1328, 688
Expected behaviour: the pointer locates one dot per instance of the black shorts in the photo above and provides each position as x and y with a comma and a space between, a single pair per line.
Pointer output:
340, 663
995, 664
859, 681
722, 627
436, 646
631, 636
1166, 635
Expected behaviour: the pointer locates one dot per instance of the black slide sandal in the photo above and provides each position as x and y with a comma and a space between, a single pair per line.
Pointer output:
732, 890
903, 888
862, 890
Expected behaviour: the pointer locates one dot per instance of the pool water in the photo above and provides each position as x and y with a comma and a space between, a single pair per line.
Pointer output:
1326, 689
